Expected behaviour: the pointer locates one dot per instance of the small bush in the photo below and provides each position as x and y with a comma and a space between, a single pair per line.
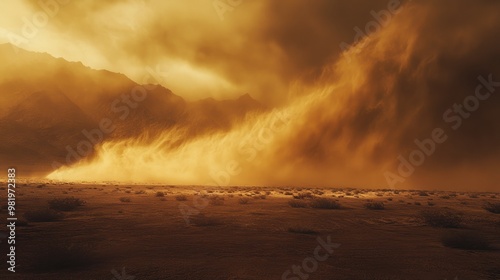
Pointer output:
140, 192
160, 194
442, 218
492, 207
324, 203
318, 192
125, 199
303, 195
297, 204
180, 197
465, 240
243, 200
375, 206
65, 204
301, 230
43, 215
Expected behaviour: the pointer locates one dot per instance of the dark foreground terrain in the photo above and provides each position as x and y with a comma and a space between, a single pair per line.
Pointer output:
125, 232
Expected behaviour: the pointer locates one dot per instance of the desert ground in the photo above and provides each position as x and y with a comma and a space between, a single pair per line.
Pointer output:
124, 232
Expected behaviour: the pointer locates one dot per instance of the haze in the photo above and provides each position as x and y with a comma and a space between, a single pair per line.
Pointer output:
327, 105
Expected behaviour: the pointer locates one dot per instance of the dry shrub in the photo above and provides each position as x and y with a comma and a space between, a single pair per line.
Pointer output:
324, 203
375, 206
65, 204
297, 203
125, 199
442, 218
492, 207
304, 195
243, 200
180, 197
160, 194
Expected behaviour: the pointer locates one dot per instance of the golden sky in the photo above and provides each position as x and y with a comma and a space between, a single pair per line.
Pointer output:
219, 49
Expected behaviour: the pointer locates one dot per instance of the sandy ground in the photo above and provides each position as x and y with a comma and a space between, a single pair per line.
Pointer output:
260, 237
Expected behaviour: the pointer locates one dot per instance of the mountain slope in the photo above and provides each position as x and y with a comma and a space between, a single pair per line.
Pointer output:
48, 103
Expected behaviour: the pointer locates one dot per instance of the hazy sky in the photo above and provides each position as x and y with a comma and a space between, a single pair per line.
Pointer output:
211, 48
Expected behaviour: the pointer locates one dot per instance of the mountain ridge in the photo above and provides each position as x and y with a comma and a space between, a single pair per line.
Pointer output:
48, 109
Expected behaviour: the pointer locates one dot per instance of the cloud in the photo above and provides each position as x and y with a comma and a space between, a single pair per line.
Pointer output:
396, 88
260, 47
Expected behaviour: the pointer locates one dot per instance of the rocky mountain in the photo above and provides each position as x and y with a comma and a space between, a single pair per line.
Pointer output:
47, 104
